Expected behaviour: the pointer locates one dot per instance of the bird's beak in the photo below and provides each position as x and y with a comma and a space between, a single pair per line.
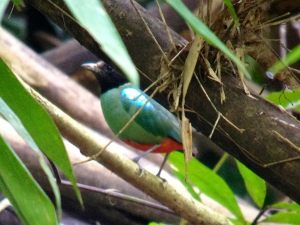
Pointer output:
94, 67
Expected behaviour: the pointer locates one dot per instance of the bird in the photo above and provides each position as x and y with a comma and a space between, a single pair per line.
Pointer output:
154, 129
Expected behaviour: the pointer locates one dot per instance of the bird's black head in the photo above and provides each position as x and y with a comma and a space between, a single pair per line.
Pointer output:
108, 77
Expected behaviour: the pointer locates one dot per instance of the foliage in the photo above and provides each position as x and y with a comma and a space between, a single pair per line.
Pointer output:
21, 189
17, 105
93, 17
207, 181
288, 99
255, 185
292, 57
201, 29
232, 12
40, 133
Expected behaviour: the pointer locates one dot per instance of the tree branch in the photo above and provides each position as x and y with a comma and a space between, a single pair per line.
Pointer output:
114, 195
256, 146
90, 144
35, 71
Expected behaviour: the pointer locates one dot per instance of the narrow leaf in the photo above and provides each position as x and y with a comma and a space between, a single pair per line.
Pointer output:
284, 218
208, 182
12, 118
31, 203
201, 29
292, 57
37, 122
232, 12
288, 99
255, 185
93, 17
291, 206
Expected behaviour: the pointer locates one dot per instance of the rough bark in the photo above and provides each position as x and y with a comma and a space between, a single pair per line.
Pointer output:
90, 144
257, 146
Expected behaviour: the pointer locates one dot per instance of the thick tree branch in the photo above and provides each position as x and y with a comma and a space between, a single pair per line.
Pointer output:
67, 94
57, 86
48, 80
256, 146
114, 195
91, 144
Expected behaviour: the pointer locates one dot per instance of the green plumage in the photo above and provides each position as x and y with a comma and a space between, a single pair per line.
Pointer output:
151, 126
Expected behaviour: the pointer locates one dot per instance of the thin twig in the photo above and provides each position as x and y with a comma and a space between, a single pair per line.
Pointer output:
215, 125
259, 215
221, 162
119, 195
150, 32
286, 140
166, 25
216, 110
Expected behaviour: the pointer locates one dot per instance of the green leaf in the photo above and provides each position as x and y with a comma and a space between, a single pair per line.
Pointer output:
255, 185
12, 118
239, 222
18, 4
291, 206
208, 182
93, 17
256, 71
201, 29
37, 122
31, 203
292, 57
284, 217
3, 6
288, 99
232, 12
187, 185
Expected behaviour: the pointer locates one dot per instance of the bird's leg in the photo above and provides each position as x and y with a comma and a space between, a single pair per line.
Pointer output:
150, 150
163, 164
144, 154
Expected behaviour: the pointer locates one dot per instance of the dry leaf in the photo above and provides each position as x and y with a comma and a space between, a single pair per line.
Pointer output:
187, 141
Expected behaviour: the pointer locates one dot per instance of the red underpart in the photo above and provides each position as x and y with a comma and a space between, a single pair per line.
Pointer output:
168, 145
